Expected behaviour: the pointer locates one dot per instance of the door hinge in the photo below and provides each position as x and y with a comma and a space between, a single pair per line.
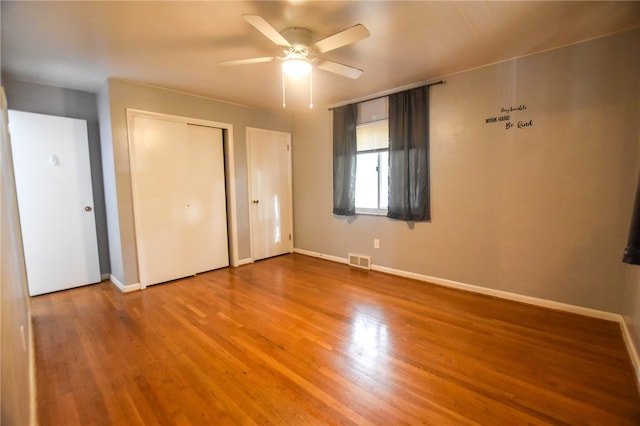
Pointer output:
289, 237
287, 147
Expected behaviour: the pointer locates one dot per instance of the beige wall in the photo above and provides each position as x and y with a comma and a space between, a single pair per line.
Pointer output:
541, 211
120, 95
17, 389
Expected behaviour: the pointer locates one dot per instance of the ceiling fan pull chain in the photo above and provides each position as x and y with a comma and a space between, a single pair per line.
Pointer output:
284, 105
310, 88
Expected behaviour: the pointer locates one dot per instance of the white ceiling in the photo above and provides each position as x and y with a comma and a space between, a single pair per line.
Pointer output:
180, 44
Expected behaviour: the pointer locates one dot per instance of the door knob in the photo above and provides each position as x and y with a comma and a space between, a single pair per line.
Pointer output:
256, 201
87, 209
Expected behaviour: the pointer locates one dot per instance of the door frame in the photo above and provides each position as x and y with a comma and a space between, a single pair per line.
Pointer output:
249, 131
229, 167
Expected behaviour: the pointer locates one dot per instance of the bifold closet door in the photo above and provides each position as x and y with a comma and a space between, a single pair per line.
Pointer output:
179, 199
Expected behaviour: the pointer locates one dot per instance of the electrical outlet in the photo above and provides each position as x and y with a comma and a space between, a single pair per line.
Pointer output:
376, 243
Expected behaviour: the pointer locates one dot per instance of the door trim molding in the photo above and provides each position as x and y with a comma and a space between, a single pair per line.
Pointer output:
230, 175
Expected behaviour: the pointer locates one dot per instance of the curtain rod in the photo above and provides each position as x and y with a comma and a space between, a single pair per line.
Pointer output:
384, 96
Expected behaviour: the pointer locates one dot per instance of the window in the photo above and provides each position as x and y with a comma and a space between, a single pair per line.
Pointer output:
381, 157
372, 169
372, 157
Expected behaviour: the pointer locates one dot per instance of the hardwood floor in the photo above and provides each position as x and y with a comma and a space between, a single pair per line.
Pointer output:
301, 341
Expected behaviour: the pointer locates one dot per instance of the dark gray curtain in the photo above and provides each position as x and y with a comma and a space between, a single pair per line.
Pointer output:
632, 250
409, 197
344, 160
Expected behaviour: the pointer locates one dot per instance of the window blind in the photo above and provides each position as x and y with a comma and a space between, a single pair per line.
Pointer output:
373, 136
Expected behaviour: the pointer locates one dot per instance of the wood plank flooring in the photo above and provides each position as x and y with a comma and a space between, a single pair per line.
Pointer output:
296, 340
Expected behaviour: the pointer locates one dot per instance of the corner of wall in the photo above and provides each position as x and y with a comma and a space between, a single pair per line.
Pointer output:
632, 350
109, 180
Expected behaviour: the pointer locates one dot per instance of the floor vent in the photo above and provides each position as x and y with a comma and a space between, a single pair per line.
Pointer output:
359, 261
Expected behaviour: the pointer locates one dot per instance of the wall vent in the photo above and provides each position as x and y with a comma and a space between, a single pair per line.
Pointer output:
359, 261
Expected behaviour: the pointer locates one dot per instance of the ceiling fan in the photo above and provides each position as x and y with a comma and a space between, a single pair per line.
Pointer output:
301, 50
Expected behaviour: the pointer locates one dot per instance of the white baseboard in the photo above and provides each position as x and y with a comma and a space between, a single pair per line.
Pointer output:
503, 294
104, 277
320, 255
477, 289
124, 288
134, 287
631, 349
241, 262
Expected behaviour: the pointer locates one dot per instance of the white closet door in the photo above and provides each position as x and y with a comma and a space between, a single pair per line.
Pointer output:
207, 212
179, 199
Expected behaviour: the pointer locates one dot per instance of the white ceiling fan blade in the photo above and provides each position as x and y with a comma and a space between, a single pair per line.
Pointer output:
341, 69
265, 28
348, 36
249, 61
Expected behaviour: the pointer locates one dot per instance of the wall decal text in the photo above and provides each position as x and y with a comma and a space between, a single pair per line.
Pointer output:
505, 116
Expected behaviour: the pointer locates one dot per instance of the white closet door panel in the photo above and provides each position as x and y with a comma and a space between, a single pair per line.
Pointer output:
207, 210
159, 161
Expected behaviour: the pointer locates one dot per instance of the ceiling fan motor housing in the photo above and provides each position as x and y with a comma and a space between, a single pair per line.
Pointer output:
300, 39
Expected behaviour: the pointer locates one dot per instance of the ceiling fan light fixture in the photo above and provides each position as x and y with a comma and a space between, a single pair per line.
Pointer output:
300, 51
296, 68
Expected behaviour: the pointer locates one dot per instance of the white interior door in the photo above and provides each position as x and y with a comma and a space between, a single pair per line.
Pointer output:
270, 192
55, 201
179, 199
